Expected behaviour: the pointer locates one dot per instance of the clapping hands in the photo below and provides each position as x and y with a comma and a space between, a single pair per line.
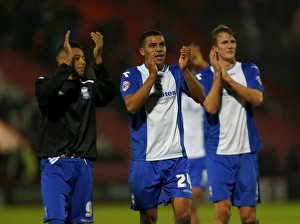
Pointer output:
97, 52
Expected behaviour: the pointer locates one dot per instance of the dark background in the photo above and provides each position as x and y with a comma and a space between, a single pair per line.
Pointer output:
268, 34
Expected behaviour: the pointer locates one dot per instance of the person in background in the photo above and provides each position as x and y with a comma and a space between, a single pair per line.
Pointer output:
159, 169
232, 141
67, 148
193, 123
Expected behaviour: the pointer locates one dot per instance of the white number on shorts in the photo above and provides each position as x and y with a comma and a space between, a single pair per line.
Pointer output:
181, 180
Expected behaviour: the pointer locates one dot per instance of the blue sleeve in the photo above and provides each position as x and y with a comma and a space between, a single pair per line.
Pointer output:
130, 81
252, 76
206, 78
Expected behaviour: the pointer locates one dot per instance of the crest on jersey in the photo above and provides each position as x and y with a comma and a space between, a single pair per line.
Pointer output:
125, 85
85, 93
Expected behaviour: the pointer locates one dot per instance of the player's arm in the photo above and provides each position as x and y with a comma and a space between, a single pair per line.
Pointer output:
213, 98
196, 90
135, 101
67, 56
47, 88
105, 89
253, 96
104, 85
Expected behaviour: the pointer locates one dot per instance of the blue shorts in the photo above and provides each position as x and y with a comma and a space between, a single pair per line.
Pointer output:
67, 190
153, 182
234, 178
198, 173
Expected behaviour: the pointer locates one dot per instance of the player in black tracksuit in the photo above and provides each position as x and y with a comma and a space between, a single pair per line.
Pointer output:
67, 148
68, 111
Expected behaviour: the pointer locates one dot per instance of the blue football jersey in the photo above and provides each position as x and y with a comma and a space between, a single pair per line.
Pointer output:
232, 130
156, 129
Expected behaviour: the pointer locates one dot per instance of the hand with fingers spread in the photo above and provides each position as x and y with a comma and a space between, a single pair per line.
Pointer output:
185, 57
67, 47
233, 88
97, 53
68, 101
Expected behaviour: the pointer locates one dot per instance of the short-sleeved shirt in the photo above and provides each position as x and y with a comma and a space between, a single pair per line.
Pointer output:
232, 130
156, 129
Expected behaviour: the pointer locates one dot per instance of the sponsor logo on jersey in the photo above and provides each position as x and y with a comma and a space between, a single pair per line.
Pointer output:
125, 85
162, 94
85, 93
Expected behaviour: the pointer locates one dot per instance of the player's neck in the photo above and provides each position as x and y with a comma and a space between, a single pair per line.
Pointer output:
228, 64
162, 67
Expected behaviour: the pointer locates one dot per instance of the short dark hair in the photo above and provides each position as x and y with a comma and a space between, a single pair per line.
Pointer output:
148, 33
73, 44
220, 29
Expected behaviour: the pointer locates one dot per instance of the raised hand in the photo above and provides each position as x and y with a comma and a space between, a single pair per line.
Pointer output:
97, 52
213, 58
152, 67
185, 57
70, 55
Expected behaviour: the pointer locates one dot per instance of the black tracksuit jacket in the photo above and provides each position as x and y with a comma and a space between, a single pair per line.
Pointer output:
68, 109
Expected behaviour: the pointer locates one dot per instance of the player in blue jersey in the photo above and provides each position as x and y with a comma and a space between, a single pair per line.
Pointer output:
232, 141
67, 149
193, 122
159, 169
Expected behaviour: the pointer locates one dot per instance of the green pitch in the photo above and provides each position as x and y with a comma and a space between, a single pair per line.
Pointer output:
283, 213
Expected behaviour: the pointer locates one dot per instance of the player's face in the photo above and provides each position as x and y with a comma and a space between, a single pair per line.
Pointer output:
79, 61
226, 47
156, 44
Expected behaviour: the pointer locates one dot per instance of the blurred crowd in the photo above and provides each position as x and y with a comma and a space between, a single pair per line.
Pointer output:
268, 30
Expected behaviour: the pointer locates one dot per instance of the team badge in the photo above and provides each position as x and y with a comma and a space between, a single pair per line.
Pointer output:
85, 93
125, 85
